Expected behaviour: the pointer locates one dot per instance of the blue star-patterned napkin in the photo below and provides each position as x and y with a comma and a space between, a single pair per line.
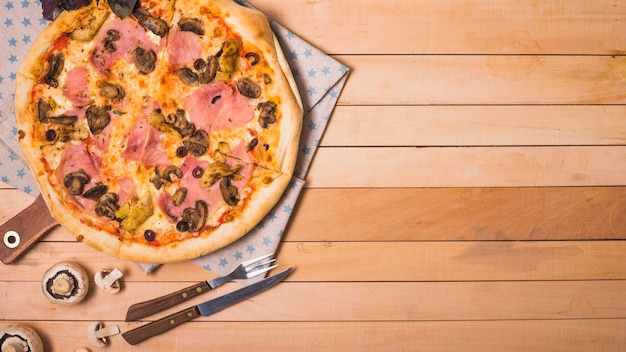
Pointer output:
319, 77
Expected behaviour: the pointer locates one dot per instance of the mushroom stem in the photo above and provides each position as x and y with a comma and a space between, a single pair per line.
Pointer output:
13, 346
113, 276
62, 285
108, 331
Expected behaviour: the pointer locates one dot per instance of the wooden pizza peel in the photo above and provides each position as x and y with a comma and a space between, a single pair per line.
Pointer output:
22, 231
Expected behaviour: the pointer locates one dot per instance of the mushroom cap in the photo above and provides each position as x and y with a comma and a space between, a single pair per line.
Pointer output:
98, 335
65, 283
18, 338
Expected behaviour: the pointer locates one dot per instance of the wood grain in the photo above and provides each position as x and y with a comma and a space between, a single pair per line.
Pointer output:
452, 27
467, 195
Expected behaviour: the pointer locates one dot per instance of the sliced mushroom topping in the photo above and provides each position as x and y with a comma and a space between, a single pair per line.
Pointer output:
43, 110
112, 91
98, 118
107, 205
179, 196
198, 143
63, 119
43, 114
187, 76
96, 191
180, 123
208, 72
76, 181
144, 60
55, 66
193, 25
151, 23
216, 171
110, 39
163, 175
267, 115
248, 88
195, 217
230, 194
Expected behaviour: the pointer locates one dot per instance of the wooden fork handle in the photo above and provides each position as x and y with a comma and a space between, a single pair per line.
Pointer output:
153, 306
24, 229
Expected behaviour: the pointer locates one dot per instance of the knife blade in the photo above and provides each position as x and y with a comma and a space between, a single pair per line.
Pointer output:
207, 308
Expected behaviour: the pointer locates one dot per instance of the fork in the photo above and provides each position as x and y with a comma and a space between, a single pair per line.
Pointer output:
245, 270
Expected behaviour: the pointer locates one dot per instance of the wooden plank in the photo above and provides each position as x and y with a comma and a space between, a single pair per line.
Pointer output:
445, 27
480, 79
443, 214
468, 167
449, 214
349, 301
371, 261
482, 336
483, 125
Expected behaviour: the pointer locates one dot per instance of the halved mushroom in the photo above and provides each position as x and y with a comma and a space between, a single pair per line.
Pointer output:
267, 113
198, 143
193, 25
230, 194
98, 118
195, 217
19, 338
145, 60
75, 182
248, 88
151, 23
112, 91
98, 335
55, 66
65, 283
107, 204
108, 280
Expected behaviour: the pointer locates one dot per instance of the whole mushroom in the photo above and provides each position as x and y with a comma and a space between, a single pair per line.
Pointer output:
19, 338
65, 283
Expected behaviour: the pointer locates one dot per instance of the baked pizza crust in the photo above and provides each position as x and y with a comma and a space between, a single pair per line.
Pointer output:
254, 27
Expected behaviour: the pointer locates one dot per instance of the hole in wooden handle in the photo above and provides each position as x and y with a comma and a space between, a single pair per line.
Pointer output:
11, 239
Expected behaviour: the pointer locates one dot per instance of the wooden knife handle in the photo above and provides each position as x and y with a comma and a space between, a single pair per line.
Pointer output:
24, 229
144, 309
160, 326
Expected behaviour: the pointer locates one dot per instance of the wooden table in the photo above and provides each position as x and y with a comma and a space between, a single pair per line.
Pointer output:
468, 195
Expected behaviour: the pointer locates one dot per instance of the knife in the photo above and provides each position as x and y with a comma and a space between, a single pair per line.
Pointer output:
207, 308
24, 229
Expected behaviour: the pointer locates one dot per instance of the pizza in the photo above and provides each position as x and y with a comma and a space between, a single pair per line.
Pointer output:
161, 134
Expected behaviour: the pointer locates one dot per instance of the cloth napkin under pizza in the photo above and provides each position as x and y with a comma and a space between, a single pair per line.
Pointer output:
320, 80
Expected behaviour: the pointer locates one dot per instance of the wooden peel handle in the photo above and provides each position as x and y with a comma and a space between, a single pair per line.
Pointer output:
24, 229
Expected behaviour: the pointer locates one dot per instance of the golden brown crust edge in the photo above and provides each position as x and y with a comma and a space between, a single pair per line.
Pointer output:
191, 248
